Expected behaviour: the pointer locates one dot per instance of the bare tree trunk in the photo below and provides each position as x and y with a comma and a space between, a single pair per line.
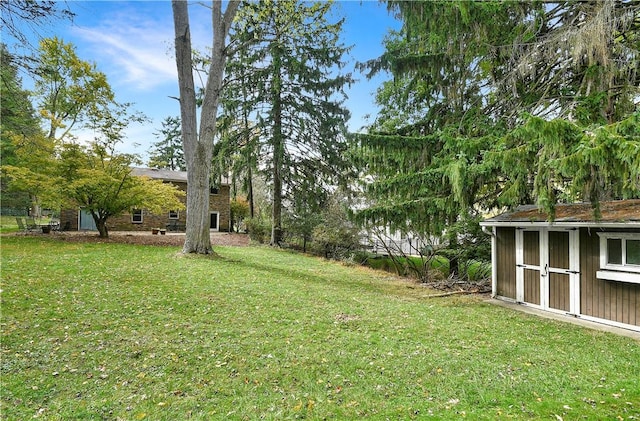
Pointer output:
198, 146
250, 192
278, 154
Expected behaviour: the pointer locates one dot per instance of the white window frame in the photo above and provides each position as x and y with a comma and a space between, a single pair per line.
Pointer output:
177, 215
133, 216
617, 272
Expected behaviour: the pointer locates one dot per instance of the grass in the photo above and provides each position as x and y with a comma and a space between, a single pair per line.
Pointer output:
8, 224
110, 331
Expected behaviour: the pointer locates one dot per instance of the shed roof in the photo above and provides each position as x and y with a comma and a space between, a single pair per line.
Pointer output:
613, 213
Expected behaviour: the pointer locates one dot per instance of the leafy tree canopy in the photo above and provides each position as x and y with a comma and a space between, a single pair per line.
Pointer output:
55, 168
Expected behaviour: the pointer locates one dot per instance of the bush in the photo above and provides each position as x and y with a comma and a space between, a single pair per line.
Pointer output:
259, 229
477, 270
336, 240
239, 212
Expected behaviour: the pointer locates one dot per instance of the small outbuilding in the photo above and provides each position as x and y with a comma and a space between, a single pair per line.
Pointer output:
576, 264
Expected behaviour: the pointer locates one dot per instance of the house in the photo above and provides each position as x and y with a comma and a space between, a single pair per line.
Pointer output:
383, 241
141, 220
576, 265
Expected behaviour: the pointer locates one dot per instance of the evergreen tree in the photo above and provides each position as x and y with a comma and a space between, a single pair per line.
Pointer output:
293, 61
167, 152
465, 125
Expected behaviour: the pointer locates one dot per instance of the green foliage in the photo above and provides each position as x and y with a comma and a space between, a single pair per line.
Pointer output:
259, 229
335, 237
101, 182
55, 170
477, 271
167, 152
69, 90
290, 82
465, 125
560, 161
412, 266
17, 123
239, 212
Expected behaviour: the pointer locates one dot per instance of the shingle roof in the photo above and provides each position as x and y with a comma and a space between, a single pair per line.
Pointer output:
160, 174
612, 212
166, 175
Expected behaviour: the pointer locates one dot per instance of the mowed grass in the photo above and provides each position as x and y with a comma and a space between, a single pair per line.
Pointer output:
110, 331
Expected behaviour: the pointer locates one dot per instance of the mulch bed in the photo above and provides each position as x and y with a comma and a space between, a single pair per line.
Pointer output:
145, 238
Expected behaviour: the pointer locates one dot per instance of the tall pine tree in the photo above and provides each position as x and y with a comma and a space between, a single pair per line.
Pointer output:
293, 59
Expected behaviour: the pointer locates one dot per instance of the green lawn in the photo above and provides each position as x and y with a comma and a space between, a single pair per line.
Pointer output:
110, 331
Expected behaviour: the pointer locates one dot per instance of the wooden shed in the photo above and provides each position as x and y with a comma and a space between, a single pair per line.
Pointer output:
577, 265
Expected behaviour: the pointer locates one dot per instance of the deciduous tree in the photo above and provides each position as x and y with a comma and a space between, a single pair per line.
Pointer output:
99, 180
198, 142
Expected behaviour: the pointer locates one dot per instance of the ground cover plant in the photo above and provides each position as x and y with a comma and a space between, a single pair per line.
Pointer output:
121, 331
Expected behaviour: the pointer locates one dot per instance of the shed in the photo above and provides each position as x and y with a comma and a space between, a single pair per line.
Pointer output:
576, 264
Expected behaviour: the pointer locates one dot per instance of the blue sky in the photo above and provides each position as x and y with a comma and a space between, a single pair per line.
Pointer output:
132, 43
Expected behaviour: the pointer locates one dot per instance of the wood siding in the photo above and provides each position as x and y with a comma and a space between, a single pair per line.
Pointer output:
506, 262
610, 300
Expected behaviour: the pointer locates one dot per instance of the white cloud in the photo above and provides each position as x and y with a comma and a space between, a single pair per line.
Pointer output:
133, 50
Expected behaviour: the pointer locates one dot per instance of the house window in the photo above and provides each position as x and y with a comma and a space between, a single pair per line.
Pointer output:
214, 190
620, 257
173, 214
136, 216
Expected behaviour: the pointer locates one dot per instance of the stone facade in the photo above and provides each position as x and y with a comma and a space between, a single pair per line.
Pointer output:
219, 204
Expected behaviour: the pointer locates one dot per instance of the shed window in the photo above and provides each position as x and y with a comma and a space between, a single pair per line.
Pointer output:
614, 251
633, 252
620, 252
136, 216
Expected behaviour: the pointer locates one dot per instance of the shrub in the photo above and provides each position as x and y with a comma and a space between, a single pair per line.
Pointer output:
477, 270
259, 229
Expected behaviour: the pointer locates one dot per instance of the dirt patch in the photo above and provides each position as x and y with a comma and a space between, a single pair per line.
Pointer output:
145, 238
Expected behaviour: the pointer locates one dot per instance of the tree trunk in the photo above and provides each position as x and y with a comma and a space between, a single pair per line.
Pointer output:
198, 146
278, 153
250, 191
101, 225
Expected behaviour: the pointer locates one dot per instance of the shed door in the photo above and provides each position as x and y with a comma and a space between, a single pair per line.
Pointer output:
528, 267
562, 270
547, 269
